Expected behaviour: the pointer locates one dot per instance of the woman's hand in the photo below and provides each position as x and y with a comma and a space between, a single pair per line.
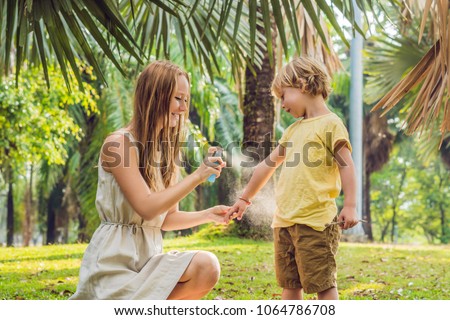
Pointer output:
217, 214
210, 165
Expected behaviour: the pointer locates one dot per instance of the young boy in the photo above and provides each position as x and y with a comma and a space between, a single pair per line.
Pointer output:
316, 155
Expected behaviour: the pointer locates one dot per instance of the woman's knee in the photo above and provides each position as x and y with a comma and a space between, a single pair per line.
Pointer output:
208, 268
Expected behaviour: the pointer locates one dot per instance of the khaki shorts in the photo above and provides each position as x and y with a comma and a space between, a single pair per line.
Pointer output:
305, 258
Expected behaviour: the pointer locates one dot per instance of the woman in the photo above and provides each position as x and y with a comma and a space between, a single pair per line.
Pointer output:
138, 196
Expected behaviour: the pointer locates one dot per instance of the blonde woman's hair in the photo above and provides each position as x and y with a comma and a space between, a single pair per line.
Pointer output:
305, 73
159, 148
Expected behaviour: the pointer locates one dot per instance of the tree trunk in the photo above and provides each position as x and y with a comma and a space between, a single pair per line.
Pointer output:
259, 126
259, 108
444, 237
384, 231
229, 182
82, 236
27, 226
54, 204
366, 207
378, 142
394, 223
395, 203
10, 210
445, 150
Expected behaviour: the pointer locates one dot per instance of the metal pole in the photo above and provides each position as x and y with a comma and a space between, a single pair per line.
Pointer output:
356, 114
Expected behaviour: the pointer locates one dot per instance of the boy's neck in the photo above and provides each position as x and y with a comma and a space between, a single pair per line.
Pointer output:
316, 107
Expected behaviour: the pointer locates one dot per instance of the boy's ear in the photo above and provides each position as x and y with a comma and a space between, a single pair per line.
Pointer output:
302, 85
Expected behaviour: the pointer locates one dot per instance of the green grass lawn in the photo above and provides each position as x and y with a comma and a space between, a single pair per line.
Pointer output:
365, 271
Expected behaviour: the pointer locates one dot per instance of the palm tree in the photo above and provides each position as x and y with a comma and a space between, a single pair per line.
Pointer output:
378, 143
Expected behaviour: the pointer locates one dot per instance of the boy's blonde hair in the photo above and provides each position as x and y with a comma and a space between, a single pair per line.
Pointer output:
305, 73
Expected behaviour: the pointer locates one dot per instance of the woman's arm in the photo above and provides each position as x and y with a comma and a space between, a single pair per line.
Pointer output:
264, 170
119, 157
179, 220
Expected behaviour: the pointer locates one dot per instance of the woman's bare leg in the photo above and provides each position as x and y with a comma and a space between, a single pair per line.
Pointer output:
199, 278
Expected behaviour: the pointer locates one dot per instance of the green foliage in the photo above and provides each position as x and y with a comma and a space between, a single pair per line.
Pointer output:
189, 202
206, 103
365, 272
114, 111
432, 187
35, 121
260, 232
229, 122
212, 231
416, 193
37, 128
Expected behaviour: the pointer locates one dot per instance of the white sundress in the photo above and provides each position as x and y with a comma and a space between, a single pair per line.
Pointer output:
124, 258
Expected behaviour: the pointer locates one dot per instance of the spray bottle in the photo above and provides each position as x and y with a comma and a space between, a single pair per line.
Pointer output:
217, 153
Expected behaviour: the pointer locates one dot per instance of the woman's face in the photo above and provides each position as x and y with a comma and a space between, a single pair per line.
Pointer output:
179, 101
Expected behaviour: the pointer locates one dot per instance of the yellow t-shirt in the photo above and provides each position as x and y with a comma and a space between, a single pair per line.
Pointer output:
309, 180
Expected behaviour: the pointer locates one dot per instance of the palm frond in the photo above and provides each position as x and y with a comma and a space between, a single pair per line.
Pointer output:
64, 29
387, 61
315, 38
42, 30
229, 125
202, 29
431, 73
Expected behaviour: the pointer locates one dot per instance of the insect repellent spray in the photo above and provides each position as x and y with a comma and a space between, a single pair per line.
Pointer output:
217, 153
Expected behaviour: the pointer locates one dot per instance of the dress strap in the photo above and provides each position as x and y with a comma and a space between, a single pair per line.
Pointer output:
130, 136
127, 133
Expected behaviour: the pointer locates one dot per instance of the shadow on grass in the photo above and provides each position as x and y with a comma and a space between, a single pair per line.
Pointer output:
44, 258
14, 278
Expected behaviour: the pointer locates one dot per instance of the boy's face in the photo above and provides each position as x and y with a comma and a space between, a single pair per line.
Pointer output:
292, 101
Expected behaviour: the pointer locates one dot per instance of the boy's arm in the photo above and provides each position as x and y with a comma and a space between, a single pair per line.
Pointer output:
264, 170
348, 179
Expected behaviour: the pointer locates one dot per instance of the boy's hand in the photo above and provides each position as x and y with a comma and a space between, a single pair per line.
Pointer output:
347, 218
237, 210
